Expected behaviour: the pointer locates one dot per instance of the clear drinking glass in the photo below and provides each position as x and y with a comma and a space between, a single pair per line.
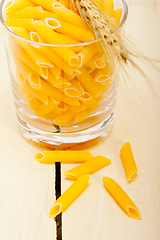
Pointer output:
64, 94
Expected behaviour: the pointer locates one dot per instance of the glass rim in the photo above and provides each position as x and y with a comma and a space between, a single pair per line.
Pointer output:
61, 45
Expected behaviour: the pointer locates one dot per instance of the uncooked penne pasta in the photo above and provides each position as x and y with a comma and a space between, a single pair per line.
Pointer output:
90, 85
15, 5
86, 54
37, 57
25, 23
17, 50
71, 17
71, 91
70, 30
57, 111
96, 62
47, 4
89, 101
58, 83
89, 167
78, 85
117, 13
50, 157
77, 109
63, 118
69, 196
34, 103
28, 12
80, 116
121, 198
128, 161
45, 109
52, 37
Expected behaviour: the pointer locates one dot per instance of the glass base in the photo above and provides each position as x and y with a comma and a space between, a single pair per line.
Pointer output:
80, 140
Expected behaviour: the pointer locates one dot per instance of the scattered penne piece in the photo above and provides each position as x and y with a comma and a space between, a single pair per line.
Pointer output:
89, 167
128, 161
50, 157
121, 197
69, 196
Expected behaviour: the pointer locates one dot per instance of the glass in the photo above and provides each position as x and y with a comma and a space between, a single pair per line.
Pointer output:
64, 94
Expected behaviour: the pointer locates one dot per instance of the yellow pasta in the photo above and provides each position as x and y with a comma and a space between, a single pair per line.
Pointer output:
47, 4
71, 17
15, 5
70, 30
17, 50
27, 72
80, 116
69, 196
57, 111
56, 71
37, 57
65, 3
70, 91
50, 157
78, 85
121, 198
34, 103
47, 89
96, 62
90, 85
45, 109
58, 83
106, 5
128, 161
89, 167
89, 101
117, 13
86, 54
77, 109
28, 12
52, 37
28, 96
25, 23
63, 118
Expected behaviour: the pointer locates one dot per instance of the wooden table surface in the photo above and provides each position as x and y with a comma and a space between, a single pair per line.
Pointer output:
27, 188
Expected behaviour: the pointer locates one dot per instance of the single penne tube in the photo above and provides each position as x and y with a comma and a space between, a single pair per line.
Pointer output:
67, 76
50, 157
80, 116
52, 37
28, 96
56, 71
47, 89
117, 13
121, 198
77, 109
86, 54
25, 23
37, 57
89, 167
101, 77
45, 109
17, 50
70, 30
64, 3
28, 12
69, 196
15, 5
57, 111
63, 118
48, 14
69, 16
90, 85
128, 161
47, 4
70, 91
89, 101
78, 85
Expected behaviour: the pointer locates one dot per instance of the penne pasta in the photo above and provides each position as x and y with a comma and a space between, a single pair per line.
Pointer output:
28, 12
69, 16
96, 62
57, 111
37, 57
86, 54
70, 30
15, 5
47, 4
121, 198
70, 91
63, 118
69, 196
58, 83
18, 51
89, 167
90, 85
52, 37
77, 109
78, 85
65, 3
34, 103
128, 161
25, 23
45, 109
50, 157
117, 13
89, 101
80, 116
47, 89
56, 71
